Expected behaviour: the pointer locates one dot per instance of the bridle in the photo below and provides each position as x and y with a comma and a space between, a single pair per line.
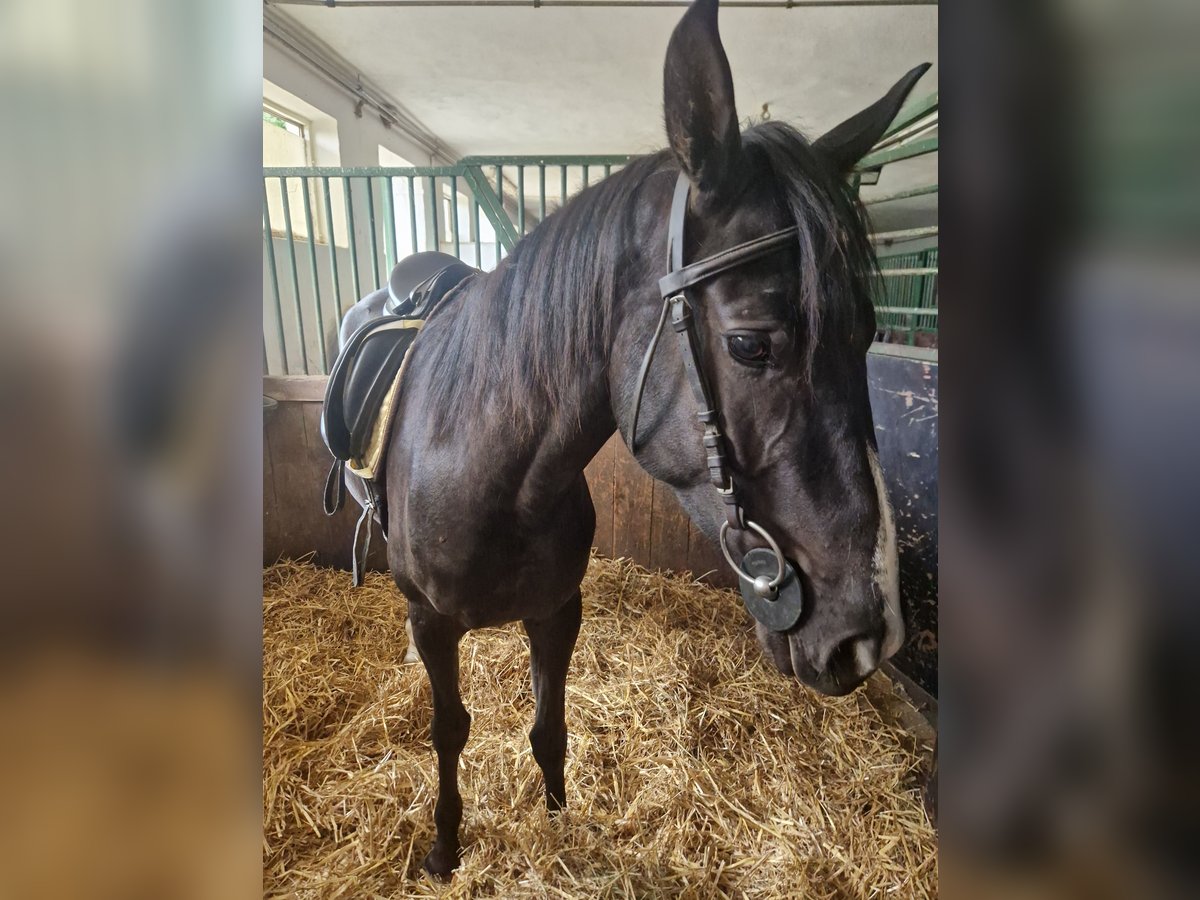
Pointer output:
674, 286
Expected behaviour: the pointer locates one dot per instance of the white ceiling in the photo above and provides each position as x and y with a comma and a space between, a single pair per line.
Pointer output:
517, 80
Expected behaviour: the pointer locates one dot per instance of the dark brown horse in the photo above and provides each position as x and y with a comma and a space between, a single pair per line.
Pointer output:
522, 374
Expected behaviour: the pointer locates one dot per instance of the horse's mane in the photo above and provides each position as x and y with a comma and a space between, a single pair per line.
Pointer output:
836, 259
543, 321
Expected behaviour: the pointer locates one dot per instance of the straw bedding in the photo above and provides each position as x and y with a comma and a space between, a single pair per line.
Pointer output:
693, 768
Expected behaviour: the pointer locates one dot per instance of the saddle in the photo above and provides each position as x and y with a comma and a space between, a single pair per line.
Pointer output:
364, 382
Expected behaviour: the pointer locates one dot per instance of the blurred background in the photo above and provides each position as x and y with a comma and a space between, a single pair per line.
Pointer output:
131, 362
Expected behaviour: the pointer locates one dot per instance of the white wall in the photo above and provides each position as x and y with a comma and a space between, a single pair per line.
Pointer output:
358, 139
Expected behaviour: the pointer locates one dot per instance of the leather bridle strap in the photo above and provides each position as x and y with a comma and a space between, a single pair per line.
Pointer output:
672, 287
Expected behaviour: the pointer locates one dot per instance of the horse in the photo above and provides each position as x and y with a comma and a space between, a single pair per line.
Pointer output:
522, 374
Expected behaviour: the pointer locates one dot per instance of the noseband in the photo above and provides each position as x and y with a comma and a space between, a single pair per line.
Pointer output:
778, 611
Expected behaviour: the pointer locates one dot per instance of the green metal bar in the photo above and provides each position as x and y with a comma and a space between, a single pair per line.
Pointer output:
492, 206
923, 310
894, 273
390, 250
375, 279
563, 186
607, 170
352, 239
287, 224
475, 231
359, 171
904, 234
333, 263
902, 195
316, 281
412, 214
434, 203
454, 214
541, 194
500, 195
585, 176
894, 154
613, 159
912, 113
269, 240
520, 200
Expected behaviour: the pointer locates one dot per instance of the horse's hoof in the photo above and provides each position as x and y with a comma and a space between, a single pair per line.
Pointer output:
441, 865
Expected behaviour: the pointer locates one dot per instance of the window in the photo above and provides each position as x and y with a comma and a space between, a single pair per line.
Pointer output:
285, 138
287, 143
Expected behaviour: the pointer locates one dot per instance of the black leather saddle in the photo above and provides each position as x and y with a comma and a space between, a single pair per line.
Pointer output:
419, 282
366, 366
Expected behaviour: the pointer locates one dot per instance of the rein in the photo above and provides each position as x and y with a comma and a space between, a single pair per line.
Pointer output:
763, 597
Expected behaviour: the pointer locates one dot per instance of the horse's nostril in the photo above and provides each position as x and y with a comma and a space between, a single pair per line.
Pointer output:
855, 657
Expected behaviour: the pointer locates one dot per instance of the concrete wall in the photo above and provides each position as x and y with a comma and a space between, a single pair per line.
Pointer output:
357, 139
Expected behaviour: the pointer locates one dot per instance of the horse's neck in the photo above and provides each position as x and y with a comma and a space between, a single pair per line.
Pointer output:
570, 427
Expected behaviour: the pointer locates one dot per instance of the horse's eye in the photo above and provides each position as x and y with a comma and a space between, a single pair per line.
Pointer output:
750, 349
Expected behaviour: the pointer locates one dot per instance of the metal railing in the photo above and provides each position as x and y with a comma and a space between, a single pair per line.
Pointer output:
906, 293
906, 296
332, 235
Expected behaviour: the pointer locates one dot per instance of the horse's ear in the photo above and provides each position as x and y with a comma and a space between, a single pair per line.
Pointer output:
702, 123
846, 144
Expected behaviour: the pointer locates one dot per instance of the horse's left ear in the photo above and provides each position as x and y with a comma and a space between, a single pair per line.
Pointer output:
846, 144
702, 123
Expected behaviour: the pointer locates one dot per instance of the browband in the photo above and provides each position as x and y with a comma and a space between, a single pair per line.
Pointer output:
678, 280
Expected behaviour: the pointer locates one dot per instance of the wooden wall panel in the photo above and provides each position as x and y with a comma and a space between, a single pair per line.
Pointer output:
704, 559
295, 463
668, 531
633, 508
635, 516
600, 484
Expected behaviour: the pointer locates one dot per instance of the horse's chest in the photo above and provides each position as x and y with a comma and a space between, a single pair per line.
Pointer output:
481, 554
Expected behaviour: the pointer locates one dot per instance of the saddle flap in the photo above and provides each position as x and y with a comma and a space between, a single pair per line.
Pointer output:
360, 379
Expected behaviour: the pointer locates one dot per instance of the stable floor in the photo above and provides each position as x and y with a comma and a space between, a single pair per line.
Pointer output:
693, 768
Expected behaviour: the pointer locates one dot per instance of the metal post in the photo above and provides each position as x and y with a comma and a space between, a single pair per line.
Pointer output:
269, 239
454, 215
375, 281
541, 194
333, 263
500, 195
412, 213
520, 200
475, 231
434, 202
390, 250
287, 223
352, 239
316, 281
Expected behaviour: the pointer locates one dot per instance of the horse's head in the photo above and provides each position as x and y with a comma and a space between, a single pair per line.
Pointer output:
782, 342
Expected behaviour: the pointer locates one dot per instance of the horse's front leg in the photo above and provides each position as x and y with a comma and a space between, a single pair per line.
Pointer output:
551, 643
436, 638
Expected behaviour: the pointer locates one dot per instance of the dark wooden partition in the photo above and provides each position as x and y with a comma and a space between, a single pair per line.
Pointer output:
636, 517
